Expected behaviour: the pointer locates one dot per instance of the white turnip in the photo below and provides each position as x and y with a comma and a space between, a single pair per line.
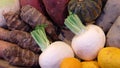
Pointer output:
53, 53
88, 39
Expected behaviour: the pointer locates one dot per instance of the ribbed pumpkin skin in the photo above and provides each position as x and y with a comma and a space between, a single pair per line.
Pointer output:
87, 10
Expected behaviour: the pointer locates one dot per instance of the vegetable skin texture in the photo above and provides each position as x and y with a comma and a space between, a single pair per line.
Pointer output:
113, 35
3, 46
38, 4
54, 54
16, 55
14, 22
5, 64
21, 38
87, 10
88, 39
6, 6
90, 64
57, 10
109, 57
108, 16
33, 17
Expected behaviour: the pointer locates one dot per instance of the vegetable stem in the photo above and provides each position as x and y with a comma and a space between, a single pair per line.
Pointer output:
40, 37
74, 24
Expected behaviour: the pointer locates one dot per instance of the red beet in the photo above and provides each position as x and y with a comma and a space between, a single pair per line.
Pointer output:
57, 10
38, 4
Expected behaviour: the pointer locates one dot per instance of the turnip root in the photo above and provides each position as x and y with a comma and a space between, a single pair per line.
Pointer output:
113, 35
6, 6
53, 53
88, 40
109, 14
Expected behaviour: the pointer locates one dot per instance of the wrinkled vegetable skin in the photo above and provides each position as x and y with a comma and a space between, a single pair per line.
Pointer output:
57, 10
23, 39
33, 17
16, 55
38, 4
87, 10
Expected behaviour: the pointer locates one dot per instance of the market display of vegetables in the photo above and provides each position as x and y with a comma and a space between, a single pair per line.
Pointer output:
59, 34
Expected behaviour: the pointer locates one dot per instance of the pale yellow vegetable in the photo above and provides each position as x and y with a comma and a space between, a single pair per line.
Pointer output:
90, 64
109, 57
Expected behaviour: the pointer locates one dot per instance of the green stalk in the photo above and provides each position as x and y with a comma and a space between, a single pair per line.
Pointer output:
40, 37
74, 24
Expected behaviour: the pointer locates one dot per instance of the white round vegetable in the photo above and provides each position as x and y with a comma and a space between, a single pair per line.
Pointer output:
52, 56
88, 44
88, 40
6, 6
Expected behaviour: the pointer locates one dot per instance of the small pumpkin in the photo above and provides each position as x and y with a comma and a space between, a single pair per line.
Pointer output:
87, 10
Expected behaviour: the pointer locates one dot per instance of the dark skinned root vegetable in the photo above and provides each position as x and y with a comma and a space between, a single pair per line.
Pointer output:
57, 10
87, 10
18, 56
38, 4
5, 64
14, 22
21, 38
33, 17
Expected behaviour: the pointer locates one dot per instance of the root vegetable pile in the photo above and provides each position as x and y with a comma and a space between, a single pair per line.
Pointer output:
33, 17
60, 33
14, 22
23, 39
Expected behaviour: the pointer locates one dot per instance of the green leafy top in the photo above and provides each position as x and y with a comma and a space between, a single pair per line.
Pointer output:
74, 24
40, 37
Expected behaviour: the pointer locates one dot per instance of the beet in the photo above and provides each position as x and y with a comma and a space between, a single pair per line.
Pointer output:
57, 10
38, 4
